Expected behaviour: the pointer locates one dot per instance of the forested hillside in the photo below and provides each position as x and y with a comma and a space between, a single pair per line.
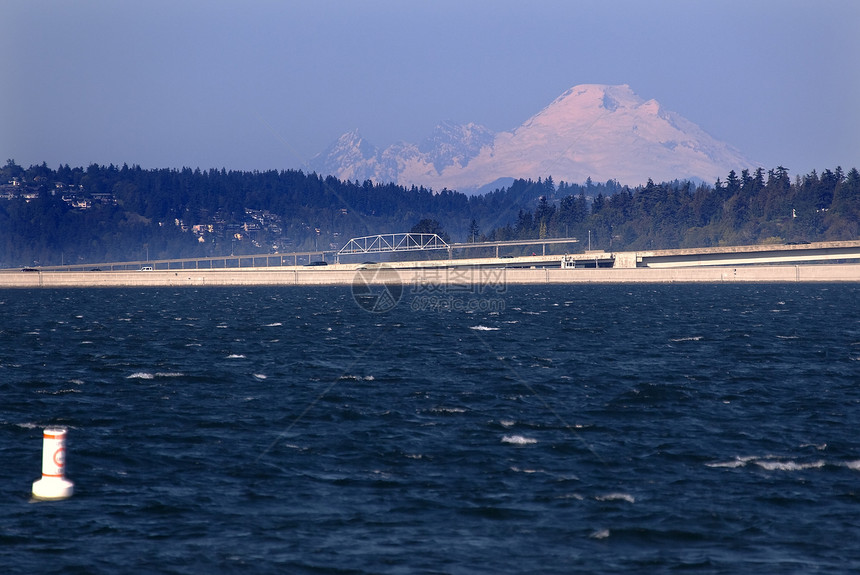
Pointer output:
747, 209
109, 213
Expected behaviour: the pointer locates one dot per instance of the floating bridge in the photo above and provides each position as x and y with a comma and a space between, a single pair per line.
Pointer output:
772, 254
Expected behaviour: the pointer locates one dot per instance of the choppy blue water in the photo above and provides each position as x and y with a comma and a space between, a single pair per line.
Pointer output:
555, 429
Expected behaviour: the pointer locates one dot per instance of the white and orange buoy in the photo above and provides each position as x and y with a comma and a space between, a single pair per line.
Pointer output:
53, 485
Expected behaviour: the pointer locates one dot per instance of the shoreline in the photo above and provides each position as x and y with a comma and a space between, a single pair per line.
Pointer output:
429, 276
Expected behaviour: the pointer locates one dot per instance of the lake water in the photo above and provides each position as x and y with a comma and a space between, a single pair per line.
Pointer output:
522, 429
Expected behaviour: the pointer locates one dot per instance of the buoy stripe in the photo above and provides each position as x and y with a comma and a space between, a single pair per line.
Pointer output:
52, 475
51, 436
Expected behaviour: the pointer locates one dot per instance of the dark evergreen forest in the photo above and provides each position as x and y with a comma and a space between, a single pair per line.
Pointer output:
108, 213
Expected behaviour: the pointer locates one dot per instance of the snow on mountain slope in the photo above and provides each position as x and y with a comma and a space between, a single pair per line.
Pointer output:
596, 131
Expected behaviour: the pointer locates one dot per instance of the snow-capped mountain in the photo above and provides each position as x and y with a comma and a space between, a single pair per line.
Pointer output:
596, 131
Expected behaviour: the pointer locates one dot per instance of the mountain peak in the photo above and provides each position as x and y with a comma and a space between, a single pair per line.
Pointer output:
588, 103
592, 130
348, 157
598, 95
455, 144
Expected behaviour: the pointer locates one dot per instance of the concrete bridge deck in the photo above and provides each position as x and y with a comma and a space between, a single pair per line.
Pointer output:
753, 254
715, 264
721, 255
481, 279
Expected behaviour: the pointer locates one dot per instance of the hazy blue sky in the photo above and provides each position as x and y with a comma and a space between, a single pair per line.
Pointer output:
262, 85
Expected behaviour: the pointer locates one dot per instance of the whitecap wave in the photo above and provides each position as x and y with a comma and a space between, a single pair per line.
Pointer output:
768, 462
518, 440
448, 410
616, 497
141, 375
236, 356
484, 328
739, 461
773, 465
691, 338
727, 464
276, 324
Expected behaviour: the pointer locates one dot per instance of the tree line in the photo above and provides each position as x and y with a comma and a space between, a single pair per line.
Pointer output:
109, 213
750, 208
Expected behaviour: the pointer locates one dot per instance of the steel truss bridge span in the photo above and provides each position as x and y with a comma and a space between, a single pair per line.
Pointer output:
385, 243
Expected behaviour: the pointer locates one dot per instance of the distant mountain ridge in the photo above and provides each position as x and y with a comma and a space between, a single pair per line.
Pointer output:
591, 131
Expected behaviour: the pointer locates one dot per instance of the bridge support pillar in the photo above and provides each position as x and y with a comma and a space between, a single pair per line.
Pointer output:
625, 260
